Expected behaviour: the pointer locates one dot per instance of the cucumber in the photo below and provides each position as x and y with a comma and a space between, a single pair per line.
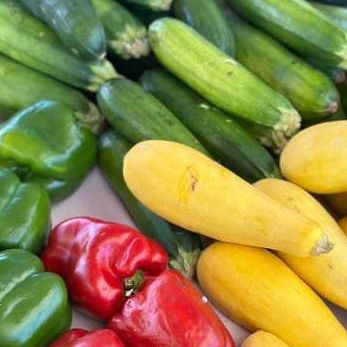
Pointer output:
76, 24
310, 91
332, 2
126, 35
27, 40
300, 26
336, 74
139, 116
222, 80
183, 247
207, 18
337, 14
224, 137
154, 5
21, 87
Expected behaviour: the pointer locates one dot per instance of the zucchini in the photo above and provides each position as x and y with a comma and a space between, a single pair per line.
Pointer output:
336, 74
332, 2
154, 5
207, 17
300, 26
310, 91
222, 80
139, 116
76, 24
183, 247
224, 137
337, 14
126, 35
27, 40
21, 87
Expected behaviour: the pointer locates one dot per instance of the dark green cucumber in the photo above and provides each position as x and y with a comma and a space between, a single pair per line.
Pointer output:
21, 87
207, 17
224, 137
76, 24
300, 26
29, 41
222, 80
139, 116
310, 91
336, 74
337, 14
126, 35
154, 5
183, 247
332, 2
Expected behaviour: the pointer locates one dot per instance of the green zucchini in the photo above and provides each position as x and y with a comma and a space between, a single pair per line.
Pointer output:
336, 74
29, 41
154, 5
337, 14
21, 87
126, 35
183, 247
222, 80
139, 116
207, 17
76, 24
224, 137
332, 2
300, 26
310, 91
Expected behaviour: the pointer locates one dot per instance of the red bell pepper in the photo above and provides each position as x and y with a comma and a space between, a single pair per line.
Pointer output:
170, 312
102, 263
83, 338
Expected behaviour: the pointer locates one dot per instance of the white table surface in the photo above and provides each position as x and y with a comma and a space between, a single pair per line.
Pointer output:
95, 198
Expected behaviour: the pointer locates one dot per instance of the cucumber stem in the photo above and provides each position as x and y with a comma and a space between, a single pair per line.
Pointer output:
92, 119
185, 262
103, 71
161, 5
323, 246
333, 107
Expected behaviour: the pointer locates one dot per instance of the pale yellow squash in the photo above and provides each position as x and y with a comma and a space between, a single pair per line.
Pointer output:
263, 339
190, 190
338, 202
316, 158
327, 274
260, 292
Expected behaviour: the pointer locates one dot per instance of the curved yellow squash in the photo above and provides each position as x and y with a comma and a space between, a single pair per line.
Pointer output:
263, 339
338, 202
327, 274
190, 190
316, 158
259, 291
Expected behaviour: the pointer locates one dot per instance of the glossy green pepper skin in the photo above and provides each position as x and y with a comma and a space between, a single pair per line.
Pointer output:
24, 213
44, 144
34, 308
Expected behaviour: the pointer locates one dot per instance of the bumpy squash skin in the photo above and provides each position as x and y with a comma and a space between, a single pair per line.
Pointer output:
263, 339
257, 290
190, 190
316, 158
326, 274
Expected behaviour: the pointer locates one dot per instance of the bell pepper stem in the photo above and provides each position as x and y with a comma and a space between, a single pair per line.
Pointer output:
133, 284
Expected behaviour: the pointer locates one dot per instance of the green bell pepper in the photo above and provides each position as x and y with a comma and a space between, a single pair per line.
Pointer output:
34, 308
44, 144
24, 213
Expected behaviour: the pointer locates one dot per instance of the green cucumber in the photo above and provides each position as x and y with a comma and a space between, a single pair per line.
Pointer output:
310, 91
76, 24
207, 17
29, 41
126, 35
336, 13
139, 116
21, 87
183, 247
331, 2
224, 137
336, 74
300, 26
154, 5
222, 80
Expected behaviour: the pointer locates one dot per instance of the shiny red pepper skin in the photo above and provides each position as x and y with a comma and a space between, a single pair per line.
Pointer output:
170, 312
95, 258
83, 338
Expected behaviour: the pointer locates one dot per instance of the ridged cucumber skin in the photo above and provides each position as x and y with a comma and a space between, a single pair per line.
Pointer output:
154, 5
310, 91
76, 24
336, 13
224, 137
300, 26
139, 116
21, 87
126, 35
222, 80
207, 17
29, 41
183, 247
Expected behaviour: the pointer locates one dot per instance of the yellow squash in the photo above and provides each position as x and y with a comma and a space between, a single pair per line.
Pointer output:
260, 292
263, 339
316, 158
338, 202
343, 224
190, 190
327, 274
